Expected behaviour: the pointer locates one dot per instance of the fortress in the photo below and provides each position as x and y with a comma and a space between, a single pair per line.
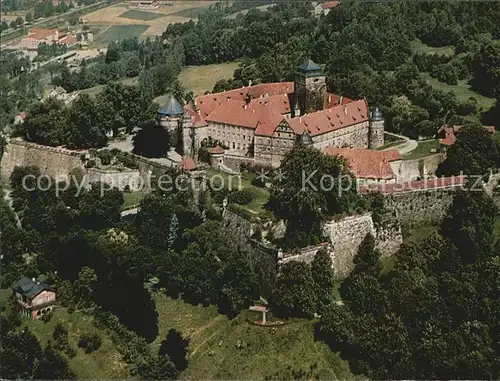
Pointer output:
261, 123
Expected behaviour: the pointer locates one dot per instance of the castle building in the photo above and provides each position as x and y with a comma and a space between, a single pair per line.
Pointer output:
261, 123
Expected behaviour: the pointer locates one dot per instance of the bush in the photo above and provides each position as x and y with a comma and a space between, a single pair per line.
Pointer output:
258, 182
47, 317
242, 197
90, 342
106, 156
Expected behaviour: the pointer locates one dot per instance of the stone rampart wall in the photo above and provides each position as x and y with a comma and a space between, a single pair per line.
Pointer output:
421, 206
407, 170
55, 162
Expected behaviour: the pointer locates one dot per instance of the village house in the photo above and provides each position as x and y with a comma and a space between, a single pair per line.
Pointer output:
261, 123
34, 297
325, 8
448, 134
38, 35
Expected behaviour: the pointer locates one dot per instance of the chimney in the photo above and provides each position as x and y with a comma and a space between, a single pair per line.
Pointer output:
245, 107
300, 119
345, 109
340, 100
329, 98
33, 279
249, 83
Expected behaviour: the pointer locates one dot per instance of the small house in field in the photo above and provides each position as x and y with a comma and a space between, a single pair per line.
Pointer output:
34, 297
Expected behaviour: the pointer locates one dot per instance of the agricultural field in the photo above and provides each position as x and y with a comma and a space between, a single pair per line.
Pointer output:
135, 14
118, 32
155, 20
200, 79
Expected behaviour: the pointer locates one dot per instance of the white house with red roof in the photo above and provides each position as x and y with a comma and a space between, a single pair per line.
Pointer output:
325, 8
38, 35
261, 123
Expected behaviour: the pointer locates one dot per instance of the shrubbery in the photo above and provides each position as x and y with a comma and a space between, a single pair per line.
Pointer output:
90, 342
242, 197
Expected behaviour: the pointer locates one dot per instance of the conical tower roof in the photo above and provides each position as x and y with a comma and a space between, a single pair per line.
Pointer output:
305, 139
171, 107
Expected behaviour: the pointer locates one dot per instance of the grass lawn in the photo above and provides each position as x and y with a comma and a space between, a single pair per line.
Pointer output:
462, 91
132, 199
213, 353
419, 47
423, 149
120, 32
261, 195
93, 91
105, 363
134, 14
420, 233
203, 78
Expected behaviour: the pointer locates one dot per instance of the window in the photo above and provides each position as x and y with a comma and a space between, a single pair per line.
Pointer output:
233, 145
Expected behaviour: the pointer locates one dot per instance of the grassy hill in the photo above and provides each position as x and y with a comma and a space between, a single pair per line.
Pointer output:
269, 353
272, 353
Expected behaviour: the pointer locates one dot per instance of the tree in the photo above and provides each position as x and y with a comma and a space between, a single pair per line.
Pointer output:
53, 366
469, 225
90, 342
45, 123
151, 140
474, 153
484, 65
323, 277
314, 185
293, 295
85, 124
21, 352
176, 348
85, 286
367, 257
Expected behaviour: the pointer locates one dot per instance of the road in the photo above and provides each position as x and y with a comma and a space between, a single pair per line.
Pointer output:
404, 148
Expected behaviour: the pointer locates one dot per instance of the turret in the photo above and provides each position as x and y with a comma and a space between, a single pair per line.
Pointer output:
376, 136
305, 139
170, 114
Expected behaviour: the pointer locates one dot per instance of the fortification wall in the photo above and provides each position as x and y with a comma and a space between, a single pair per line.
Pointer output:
117, 179
420, 206
347, 234
407, 170
54, 162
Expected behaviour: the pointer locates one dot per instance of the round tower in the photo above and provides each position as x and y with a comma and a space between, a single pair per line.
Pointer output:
376, 134
170, 114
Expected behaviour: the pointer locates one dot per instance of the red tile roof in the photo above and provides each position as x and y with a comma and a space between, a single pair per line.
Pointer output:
367, 163
187, 164
68, 39
332, 100
330, 4
416, 185
334, 118
216, 150
196, 117
450, 133
41, 33
208, 103
238, 113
